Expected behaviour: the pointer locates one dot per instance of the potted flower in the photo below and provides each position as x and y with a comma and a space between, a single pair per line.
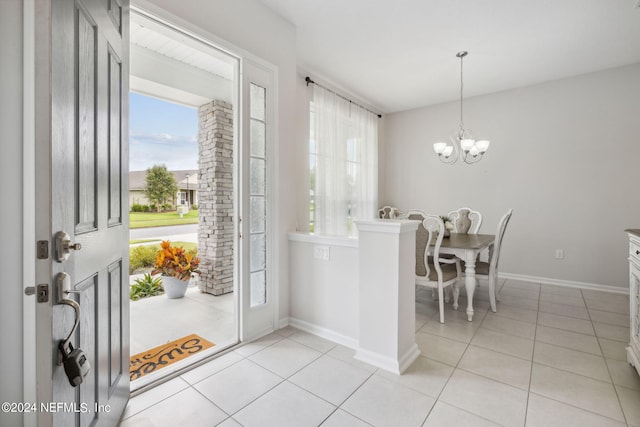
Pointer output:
176, 267
448, 225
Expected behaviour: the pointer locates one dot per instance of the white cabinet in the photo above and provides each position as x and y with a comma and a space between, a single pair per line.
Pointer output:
633, 351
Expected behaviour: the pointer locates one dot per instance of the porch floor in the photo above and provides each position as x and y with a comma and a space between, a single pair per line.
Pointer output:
158, 320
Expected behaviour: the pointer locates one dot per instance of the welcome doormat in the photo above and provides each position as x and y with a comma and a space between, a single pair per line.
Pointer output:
162, 356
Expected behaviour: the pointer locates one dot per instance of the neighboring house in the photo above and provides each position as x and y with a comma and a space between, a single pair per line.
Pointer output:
187, 187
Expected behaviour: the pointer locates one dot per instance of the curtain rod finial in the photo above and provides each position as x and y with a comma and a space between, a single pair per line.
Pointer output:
308, 80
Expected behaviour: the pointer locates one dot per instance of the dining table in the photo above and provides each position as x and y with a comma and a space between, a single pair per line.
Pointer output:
467, 247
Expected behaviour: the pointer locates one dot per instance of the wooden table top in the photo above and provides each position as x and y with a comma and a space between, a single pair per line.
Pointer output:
467, 241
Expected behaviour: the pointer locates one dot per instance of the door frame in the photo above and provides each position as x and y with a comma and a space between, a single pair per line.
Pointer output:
162, 16
42, 201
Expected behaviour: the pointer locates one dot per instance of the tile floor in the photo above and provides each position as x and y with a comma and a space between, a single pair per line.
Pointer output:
550, 356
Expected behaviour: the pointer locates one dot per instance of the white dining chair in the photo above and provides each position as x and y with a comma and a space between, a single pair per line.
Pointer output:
433, 271
465, 220
489, 270
389, 212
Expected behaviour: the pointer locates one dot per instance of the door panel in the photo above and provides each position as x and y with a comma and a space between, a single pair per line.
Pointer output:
115, 137
89, 75
85, 82
115, 350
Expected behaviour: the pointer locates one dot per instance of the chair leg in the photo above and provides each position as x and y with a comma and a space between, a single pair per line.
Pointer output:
492, 291
447, 296
441, 303
456, 294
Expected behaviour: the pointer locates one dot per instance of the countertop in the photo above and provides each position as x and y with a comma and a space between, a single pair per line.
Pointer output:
634, 231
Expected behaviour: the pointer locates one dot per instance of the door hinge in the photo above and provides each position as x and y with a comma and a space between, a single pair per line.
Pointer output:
42, 249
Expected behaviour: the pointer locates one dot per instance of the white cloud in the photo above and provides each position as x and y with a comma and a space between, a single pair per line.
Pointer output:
175, 151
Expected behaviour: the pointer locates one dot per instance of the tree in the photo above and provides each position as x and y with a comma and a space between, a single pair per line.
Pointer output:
161, 185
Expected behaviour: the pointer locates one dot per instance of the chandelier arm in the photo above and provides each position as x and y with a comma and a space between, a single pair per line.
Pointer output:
470, 159
448, 160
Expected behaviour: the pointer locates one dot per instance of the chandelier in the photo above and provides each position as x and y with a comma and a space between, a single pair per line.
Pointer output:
463, 145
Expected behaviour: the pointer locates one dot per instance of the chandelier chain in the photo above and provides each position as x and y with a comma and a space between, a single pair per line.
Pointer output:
461, 88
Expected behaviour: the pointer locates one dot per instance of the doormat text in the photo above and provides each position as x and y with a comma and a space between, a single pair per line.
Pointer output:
162, 356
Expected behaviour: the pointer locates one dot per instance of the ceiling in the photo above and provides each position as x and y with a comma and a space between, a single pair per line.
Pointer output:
401, 54
170, 65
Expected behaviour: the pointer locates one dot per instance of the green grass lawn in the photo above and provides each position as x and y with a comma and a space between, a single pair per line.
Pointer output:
153, 219
134, 241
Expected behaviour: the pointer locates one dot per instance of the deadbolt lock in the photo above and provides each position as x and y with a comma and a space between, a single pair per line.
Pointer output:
64, 246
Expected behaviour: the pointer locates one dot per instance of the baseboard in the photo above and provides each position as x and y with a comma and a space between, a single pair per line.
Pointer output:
283, 323
565, 283
390, 364
323, 332
632, 359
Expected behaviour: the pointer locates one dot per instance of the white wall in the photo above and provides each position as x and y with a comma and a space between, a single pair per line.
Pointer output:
11, 208
324, 293
253, 27
564, 155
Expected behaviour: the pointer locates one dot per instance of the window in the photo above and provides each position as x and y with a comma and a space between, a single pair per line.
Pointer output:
182, 198
258, 195
343, 163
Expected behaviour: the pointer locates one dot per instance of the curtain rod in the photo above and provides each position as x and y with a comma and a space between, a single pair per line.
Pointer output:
308, 80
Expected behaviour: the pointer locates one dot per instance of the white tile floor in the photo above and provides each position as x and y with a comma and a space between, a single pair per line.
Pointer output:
550, 356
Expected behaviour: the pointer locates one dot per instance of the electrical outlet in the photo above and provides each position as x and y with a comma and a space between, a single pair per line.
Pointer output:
559, 253
321, 252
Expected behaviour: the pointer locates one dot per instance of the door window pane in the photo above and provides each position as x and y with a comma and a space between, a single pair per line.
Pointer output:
257, 184
258, 215
258, 252
258, 99
257, 197
257, 138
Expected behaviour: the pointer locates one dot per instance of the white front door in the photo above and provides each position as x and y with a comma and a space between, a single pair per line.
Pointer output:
258, 298
88, 181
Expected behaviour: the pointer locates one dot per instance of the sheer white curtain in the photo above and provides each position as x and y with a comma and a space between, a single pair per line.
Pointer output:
346, 163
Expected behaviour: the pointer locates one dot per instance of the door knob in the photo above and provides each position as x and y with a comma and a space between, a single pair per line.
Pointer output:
64, 246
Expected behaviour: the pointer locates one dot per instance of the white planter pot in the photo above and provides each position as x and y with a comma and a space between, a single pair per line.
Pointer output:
174, 287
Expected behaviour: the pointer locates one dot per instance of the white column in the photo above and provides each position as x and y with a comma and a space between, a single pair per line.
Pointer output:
386, 267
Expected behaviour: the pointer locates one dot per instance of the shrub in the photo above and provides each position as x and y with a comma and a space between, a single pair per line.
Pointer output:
137, 207
153, 207
174, 261
141, 257
167, 207
194, 207
147, 286
145, 208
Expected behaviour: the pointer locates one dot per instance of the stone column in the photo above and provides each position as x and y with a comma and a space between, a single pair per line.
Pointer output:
215, 198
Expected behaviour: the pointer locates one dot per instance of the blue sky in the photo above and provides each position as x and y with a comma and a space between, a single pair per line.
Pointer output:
161, 132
